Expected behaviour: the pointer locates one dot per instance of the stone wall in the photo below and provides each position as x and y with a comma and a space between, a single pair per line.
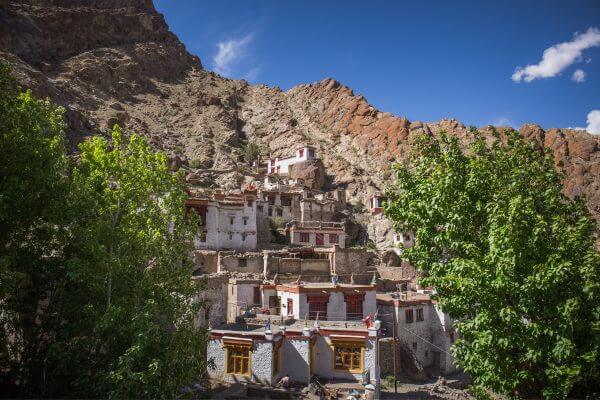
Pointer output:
349, 261
212, 291
297, 266
386, 356
241, 262
206, 262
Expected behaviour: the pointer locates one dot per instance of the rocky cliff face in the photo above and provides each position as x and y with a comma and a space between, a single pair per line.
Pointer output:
115, 61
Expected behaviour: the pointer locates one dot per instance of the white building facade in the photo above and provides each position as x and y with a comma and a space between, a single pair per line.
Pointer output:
282, 165
228, 221
322, 301
423, 329
317, 234
264, 354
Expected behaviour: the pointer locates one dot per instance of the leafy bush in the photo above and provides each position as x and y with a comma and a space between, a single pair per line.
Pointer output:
251, 152
196, 163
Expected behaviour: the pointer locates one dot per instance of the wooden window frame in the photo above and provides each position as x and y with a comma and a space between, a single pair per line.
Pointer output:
304, 237
354, 304
420, 315
409, 316
357, 348
231, 364
319, 302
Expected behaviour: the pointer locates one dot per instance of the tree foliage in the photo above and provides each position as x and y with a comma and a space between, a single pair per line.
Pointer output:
252, 152
110, 308
511, 259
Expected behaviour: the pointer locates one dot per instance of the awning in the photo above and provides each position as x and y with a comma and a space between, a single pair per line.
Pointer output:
350, 339
236, 341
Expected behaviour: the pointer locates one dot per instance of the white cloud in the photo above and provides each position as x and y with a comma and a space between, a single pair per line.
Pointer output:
230, 53
593, 122
558, 57
578, 76
251, 75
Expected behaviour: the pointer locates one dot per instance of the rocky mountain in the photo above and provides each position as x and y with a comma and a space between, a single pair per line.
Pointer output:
115, 61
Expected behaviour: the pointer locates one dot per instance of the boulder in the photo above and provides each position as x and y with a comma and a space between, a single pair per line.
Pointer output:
312, 172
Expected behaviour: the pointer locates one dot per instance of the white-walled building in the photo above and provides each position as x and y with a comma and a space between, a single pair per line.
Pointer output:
325, 301
376, 203
282, 165
261, 352
422, 328
403, 241
232, 221
317, 234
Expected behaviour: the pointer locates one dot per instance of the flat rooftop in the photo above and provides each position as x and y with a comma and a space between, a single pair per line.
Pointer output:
404, 298
256, 324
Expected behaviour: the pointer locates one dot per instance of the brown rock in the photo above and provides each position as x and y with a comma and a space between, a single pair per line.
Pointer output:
311, 171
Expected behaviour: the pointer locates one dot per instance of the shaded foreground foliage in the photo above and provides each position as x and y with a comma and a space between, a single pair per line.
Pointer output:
512, 260
96, 298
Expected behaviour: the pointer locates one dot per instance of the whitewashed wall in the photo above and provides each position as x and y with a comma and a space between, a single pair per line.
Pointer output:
295, 359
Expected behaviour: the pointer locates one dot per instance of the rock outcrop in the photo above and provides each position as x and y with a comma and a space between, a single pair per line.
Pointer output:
115, 61
312, 172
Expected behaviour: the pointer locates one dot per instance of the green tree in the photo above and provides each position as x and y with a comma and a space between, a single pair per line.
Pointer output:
511, 259
32, 183
251, 152
124, 314
96, 298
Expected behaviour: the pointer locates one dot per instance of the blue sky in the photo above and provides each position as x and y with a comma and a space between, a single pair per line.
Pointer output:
421, 60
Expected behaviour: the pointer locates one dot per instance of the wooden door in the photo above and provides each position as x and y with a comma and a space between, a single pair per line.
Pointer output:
319, 238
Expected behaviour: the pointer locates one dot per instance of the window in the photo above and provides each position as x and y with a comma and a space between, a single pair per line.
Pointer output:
354, 307
249, 203
317, 307
426, 353
242, 262
333, 238
301, 153
276, 357
348, 356
232, 289
304, 237
243, 237
408, 314
230, 234
414, 345
286, 201
238, 360
256, 294
231, 219
272, 200
279, 212
245, 220
420, 314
